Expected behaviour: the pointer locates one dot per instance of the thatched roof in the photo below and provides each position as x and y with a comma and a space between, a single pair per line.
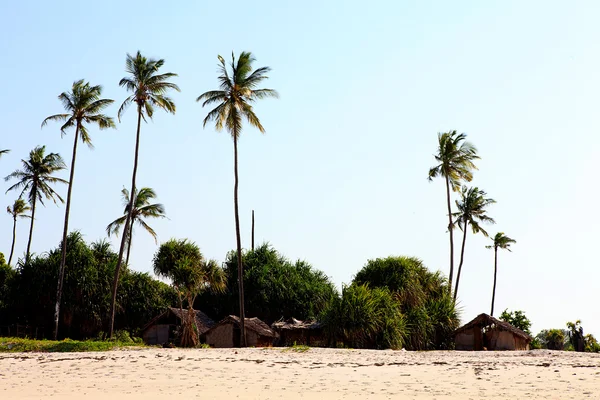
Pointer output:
484, 320
253, 324
293, 324
203, 321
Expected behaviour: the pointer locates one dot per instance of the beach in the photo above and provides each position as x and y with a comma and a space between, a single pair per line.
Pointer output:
277, 373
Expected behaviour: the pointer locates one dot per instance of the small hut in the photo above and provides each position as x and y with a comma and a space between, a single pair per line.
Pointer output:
294, 331
488, 333
226, 333
162, 328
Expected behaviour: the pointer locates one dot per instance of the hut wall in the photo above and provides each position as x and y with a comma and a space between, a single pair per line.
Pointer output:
220, 336
465, 340
502, 340
521, 344
156, 334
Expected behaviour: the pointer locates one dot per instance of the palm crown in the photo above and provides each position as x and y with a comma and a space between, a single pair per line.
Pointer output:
149, 88
18, 209
501, 241
238, 91
83, 105
472, 209
36, 176
456, 159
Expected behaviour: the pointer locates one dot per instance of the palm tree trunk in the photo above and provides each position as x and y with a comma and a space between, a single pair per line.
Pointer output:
126, 227
495, 273
252, 230
462, 256
450, 229
63, 256
34, 189
12, 247
239, 246
129, 244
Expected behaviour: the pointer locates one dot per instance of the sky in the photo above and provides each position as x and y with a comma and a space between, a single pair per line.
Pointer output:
340, 177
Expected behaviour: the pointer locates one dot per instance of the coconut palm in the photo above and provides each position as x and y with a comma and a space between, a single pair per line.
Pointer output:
2, 152
455, 157
18, 210
141, 209
472, 210
149, 91
84, 106
501, 241
35, 180
237, 91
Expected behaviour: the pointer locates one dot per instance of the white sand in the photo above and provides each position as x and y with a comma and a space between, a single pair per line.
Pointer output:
318, 373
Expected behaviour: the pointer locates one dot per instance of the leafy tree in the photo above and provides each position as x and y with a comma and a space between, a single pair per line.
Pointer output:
472, 210
234, 99
142, 209
552, 339
517, 319
366, 317
18, 210
591, 344
149, 91
276, 287
575, 333
35, 180
182, 262
501, 241
456, 162
84, 106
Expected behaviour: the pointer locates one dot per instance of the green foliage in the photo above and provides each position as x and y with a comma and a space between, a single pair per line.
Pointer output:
591, 344
430, 313
297, 348
517, 319
14, 345
552, 339
365, 317
456, 159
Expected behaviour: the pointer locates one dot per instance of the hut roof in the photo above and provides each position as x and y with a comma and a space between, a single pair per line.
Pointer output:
486, 320
203, 321
295, 324
253, 324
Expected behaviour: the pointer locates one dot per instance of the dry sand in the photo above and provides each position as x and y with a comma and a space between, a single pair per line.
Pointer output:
315, 374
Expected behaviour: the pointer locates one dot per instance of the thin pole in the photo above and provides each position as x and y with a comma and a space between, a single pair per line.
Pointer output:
252, 230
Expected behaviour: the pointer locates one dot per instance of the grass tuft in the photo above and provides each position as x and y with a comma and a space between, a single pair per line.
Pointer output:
16, 345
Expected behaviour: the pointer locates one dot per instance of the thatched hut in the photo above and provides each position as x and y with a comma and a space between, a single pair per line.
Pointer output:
294, 331
161, 329
226, 333
488, 333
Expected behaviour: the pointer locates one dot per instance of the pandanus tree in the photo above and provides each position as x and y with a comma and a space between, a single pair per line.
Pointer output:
191, 274
472, 209
17, 210
149, 91
456, 162
238, 90
501, 241
35, 181
83, 106
142, 209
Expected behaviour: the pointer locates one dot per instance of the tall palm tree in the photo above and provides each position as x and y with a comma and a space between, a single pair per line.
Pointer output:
141, 209
501, 241
83, 105
237, 91
35, 178
455, 157
472, 210
18, 210
149, 91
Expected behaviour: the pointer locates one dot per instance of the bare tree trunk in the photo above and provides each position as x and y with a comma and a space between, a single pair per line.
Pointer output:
34, 188
462, 255
12, 247
126, 227
63, 254
252, 230
239, 246
450, 229
495, 273
129, 243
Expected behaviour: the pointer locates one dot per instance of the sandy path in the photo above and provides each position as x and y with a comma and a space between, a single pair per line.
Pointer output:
318, 373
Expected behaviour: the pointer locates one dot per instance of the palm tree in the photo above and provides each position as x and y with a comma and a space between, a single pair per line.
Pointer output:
141, 209
83, 105
455, 158
35, 178
471, 210
18, 210
2, 152
501, 241
149, 91
237, 91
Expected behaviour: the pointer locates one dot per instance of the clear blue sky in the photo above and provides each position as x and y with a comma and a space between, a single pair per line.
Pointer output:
340, 176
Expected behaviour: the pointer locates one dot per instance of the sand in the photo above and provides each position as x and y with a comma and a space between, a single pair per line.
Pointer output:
315, 374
